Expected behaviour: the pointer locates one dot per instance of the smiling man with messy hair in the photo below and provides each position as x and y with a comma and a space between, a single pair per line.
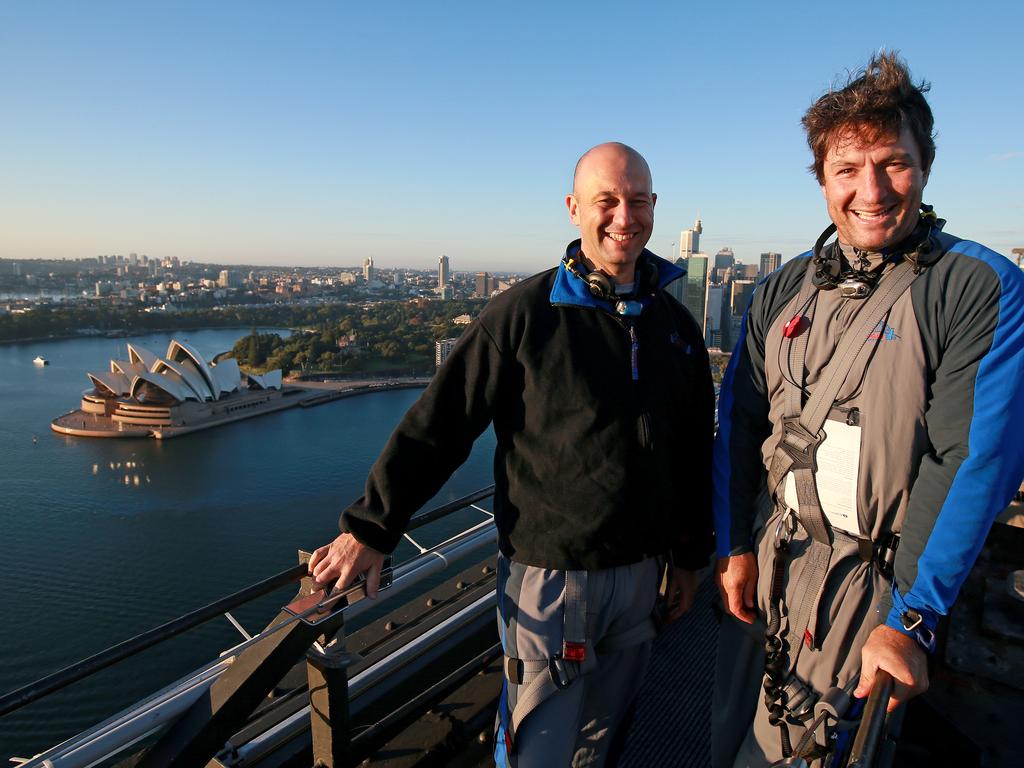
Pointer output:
869, 435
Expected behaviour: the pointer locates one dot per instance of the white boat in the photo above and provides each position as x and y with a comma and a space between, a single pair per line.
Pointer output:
40, 360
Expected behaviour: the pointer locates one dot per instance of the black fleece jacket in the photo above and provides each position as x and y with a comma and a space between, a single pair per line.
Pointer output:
595, 467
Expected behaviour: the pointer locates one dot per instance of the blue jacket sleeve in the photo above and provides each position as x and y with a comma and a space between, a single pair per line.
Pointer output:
975, 418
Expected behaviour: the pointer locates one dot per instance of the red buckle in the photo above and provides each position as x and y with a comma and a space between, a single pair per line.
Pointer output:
808, 638
574, 651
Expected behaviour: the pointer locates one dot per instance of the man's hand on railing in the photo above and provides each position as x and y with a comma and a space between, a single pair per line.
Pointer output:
339, 563
899, 655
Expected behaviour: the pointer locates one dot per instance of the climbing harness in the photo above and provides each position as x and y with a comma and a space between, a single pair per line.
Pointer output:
786, 697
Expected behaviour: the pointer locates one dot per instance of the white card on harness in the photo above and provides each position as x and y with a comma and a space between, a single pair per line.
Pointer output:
838, 460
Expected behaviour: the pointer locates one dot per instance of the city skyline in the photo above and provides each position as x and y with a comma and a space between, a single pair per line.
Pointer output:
251, 134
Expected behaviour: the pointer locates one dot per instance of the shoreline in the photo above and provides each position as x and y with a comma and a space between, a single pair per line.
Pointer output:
140, 332
306, 394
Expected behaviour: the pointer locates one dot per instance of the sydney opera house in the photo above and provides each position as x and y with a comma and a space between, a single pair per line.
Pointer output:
170, 395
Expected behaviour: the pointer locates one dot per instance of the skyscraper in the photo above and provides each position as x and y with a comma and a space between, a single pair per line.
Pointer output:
442, 348
689, 240
725, 258
696, 297
769, 263
368, 269
443, 273
713, 313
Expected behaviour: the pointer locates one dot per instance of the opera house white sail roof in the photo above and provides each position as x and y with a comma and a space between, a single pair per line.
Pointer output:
182, 374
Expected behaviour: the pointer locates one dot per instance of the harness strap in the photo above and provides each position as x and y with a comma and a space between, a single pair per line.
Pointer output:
574, 620
542, 678
803, 431
795, 452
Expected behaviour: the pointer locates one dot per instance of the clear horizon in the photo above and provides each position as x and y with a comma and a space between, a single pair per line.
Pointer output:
318, 135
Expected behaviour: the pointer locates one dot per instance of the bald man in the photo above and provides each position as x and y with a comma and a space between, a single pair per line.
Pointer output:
598, 386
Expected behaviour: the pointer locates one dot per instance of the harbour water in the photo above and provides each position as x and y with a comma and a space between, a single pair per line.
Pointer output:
105, 538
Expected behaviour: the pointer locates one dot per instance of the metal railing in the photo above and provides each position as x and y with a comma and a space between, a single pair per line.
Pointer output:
170, 704
871, 734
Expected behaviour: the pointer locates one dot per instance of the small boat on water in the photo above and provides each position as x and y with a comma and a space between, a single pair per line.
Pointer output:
40, 360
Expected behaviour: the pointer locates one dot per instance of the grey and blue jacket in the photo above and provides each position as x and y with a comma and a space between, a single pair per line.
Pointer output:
938, 403
604, 428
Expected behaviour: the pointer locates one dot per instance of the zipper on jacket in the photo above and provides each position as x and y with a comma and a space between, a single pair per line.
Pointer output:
634, 349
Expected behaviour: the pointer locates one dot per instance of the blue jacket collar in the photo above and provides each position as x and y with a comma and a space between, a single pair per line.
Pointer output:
570, 290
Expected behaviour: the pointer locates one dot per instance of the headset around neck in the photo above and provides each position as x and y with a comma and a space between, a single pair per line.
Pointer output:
832, 270
602, 287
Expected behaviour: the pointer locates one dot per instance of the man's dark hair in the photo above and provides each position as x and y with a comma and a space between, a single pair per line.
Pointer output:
879, 100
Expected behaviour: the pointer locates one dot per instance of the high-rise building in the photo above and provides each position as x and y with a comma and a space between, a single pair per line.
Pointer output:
739, 296
769, 263
725, 258
443, 272
713, 330
677, 288
695, 298
442, 348
689, 240
734, 304
483, 287
368, 272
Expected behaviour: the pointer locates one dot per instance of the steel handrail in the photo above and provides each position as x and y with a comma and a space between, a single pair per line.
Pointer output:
121, 651
872, 723
133, 724
56, 681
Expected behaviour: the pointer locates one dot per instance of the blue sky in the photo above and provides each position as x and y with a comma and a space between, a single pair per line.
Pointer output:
318, 133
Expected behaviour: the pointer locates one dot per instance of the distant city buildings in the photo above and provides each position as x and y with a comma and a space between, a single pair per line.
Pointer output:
229, 278
697, 282
484, 286
442, 348
689, 240
154, 284
717, 290
769, 263
444, 275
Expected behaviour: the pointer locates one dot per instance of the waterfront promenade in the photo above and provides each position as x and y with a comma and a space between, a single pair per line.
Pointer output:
304, 393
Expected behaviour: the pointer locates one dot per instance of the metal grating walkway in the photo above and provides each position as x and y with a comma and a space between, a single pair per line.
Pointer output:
673, 718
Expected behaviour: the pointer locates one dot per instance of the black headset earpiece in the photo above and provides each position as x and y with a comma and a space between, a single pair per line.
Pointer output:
602, 287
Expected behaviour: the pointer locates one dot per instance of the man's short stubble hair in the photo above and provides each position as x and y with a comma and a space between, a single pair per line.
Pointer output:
879, 100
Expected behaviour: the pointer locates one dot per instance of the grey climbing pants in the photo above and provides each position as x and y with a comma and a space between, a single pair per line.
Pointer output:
574, 722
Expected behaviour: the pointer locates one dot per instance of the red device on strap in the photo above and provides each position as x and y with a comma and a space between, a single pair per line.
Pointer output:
795, 326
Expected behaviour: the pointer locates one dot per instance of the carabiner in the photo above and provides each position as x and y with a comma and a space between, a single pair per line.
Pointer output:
790, 516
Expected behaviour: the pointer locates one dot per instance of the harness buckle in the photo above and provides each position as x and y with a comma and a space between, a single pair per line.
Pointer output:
799, 444
559, 673
885, 554
573, 651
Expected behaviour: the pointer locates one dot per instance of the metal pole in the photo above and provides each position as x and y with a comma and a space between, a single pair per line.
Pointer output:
327, 672
872, 723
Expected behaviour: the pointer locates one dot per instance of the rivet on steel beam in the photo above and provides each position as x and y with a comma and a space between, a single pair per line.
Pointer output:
431, 602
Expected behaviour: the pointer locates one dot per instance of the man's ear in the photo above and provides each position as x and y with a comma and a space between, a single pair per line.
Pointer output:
573, 206
654, 199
